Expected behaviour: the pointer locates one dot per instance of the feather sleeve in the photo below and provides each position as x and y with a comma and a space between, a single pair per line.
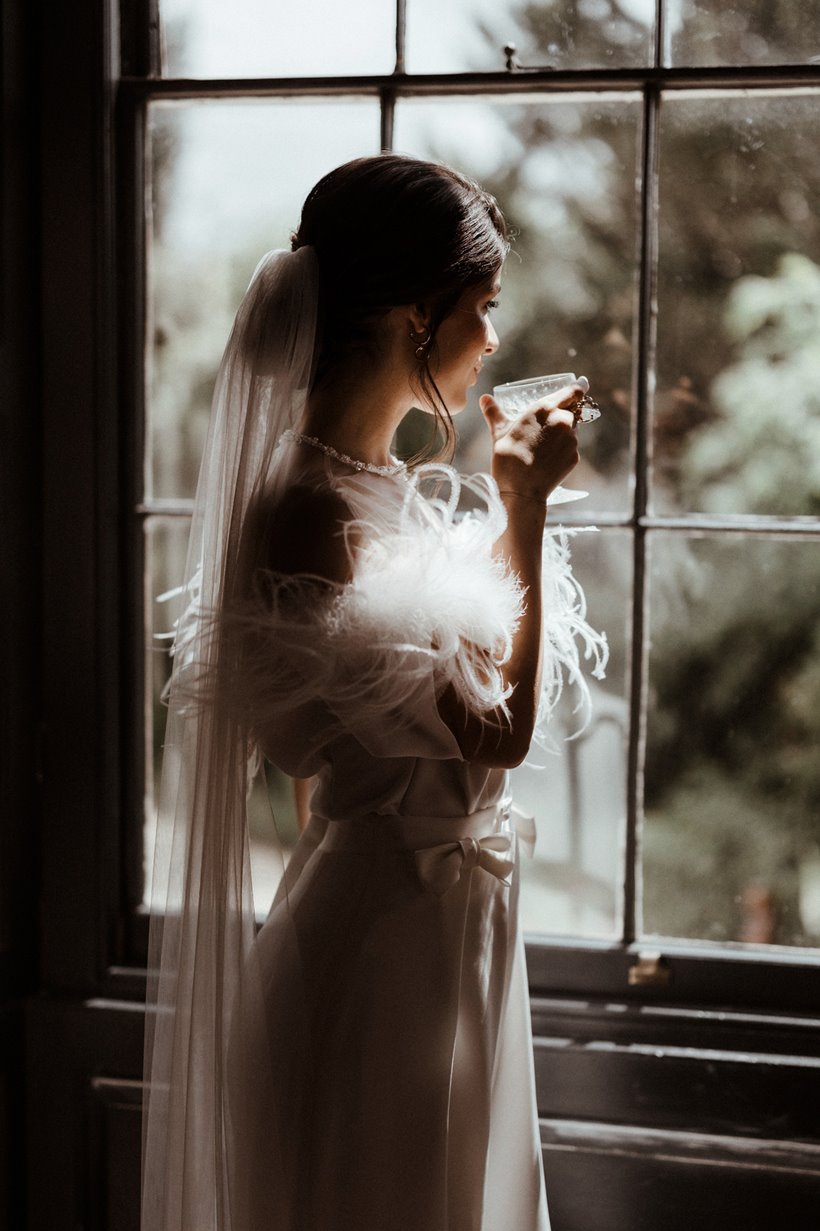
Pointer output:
428, 606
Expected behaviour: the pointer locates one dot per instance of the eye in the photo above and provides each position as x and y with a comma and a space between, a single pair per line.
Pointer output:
491, 306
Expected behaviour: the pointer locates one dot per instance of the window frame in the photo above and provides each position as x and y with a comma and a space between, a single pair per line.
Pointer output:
688, 973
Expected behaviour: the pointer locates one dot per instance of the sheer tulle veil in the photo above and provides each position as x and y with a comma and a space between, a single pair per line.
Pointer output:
205, 1004
428, 606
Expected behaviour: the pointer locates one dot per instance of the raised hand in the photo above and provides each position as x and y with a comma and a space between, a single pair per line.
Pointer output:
533, 453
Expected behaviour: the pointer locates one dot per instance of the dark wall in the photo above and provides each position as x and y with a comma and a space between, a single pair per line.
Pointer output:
20, 493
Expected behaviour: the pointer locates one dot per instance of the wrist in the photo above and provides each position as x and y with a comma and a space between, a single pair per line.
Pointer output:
523, 483
533, 497
524, 509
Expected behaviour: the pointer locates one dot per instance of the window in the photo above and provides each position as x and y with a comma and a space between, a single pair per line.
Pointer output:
658, 163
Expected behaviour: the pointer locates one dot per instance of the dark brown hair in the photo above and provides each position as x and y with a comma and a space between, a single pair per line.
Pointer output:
391, 230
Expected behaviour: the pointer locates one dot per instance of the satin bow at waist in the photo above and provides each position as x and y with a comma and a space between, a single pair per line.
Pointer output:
441, 867
443, 847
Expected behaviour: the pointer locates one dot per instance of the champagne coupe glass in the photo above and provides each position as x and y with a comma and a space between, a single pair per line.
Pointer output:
519, 396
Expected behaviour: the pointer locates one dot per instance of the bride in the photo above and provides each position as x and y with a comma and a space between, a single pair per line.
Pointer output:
364, 1062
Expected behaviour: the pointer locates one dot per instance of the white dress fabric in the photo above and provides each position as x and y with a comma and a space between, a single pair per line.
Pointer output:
388, 1083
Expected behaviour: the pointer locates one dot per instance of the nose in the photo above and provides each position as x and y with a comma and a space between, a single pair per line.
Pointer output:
492, 339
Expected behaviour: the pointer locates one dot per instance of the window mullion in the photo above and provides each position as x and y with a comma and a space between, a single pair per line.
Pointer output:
401, 35
660, 33
645, 367
388, 111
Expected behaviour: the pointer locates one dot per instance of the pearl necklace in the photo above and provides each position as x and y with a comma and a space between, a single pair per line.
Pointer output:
370, 467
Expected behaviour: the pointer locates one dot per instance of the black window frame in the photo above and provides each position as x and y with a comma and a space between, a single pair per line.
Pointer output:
631, 970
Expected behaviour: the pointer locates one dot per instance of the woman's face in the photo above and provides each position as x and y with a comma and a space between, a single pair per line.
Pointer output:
463, 340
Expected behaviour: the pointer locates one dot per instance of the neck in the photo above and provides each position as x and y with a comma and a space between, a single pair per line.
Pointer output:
360, 417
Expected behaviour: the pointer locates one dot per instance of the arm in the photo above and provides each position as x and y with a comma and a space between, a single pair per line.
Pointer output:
531, 456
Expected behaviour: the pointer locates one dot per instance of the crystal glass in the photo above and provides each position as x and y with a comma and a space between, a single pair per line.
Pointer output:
518, 396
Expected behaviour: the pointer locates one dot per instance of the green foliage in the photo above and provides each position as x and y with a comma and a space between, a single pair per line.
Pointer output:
762, 453
732, 771
714, 850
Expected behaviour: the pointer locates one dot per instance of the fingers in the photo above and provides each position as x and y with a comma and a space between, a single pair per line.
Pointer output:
571, 394
564, 416
566, 403
492, 412
561, 406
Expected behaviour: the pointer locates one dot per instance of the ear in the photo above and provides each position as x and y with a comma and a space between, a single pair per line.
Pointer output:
418, 316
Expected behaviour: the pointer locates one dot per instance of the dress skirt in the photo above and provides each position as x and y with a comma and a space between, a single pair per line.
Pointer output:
397, 1035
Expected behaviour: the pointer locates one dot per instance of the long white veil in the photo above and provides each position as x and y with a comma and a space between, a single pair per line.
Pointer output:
218, 1154
203, 995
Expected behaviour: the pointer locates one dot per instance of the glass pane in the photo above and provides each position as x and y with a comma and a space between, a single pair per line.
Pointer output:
731, 845
274, 38
564, 173
227, 184
737, 410
271, 814
572, 886
752, 32
165, 547
567, 34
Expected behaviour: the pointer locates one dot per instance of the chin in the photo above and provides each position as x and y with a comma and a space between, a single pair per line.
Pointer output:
456, 402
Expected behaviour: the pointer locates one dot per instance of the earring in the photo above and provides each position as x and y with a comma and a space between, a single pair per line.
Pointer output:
421, 340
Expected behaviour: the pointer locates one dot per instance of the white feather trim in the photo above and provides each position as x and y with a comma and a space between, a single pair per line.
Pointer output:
427, 597
565, 630
431, 585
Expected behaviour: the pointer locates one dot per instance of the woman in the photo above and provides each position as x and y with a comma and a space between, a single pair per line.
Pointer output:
365, 1063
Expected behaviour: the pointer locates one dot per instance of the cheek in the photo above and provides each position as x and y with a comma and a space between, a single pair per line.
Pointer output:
466, 345
476, 339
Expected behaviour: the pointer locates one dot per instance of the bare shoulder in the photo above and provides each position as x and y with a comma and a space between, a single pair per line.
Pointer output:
305, 531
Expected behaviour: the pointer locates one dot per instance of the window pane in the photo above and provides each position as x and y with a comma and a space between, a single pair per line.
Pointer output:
472, 34
273, 38
737, 411
578, 795
730, 844
165, 547
564, 172
227, 184
752, 32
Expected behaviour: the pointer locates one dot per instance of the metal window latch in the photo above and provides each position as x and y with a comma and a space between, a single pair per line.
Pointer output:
514, 65
511, 58
649, 970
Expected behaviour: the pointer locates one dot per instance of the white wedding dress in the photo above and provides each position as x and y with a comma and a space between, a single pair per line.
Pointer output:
389, 1085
